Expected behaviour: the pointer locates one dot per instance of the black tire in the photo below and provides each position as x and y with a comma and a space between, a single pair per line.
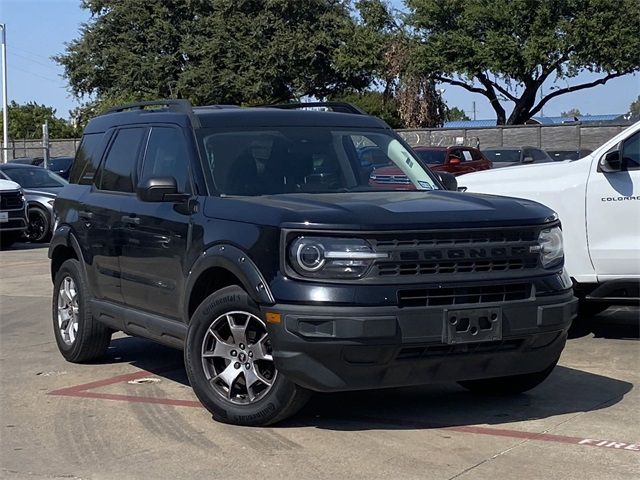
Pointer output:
39, 228
283, 399
506, 386
92, 338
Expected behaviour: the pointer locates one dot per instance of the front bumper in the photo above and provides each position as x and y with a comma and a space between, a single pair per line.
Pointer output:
352, 348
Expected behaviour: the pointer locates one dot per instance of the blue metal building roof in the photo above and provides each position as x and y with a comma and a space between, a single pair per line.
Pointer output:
539, 120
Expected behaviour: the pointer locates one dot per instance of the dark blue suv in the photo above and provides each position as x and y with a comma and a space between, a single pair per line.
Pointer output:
250, 238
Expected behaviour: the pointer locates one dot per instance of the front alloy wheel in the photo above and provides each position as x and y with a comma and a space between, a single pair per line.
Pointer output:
236, 357
230, 362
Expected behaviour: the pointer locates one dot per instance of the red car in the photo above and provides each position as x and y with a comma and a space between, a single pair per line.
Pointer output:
456, 160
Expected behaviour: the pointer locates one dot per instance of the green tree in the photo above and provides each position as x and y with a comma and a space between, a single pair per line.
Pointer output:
374, 103
506, 49
455, 113
634, 108
25, 121
572, 112
227, 51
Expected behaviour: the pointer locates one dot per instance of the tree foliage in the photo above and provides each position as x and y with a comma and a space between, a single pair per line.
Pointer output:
455, 113
572, 112
506, 49
634, 108
374, 103
25, 122
227, 51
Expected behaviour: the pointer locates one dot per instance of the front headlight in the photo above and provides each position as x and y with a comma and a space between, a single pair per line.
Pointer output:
326, 257
551, 251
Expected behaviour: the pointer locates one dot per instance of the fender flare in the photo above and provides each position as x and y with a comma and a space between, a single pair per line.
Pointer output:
64, 237
237, 262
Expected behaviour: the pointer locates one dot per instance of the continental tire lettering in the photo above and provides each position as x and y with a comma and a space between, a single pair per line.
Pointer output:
620, 199
221, 301
262, 413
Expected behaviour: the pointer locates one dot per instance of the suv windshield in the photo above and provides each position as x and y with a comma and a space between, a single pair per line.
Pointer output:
432, 157
282, 160
35, 177
503, 155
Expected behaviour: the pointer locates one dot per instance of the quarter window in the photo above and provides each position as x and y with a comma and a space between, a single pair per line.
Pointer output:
86, 161
117, 170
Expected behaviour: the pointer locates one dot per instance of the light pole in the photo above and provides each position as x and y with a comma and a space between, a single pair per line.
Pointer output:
5, 110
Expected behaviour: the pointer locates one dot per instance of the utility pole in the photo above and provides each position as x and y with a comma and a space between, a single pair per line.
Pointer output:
45, 144
474, 110
5, 109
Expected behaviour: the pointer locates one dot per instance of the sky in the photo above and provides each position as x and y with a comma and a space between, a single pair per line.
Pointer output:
39, 29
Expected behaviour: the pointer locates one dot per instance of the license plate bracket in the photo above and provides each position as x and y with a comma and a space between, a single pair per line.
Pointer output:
472, 325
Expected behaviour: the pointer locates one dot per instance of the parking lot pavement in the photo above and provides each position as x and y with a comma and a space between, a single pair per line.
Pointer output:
133, 414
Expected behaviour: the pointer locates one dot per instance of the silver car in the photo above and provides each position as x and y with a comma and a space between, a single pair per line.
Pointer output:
40, 187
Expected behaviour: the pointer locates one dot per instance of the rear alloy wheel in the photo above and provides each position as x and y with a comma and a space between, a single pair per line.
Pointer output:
230, 365
38, 228
80, 337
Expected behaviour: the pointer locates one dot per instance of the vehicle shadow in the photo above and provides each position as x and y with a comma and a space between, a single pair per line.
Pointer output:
567, 391
622, 323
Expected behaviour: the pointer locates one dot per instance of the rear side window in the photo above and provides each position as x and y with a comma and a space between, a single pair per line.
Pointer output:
476, 155
86, 161
167, 155
117, 170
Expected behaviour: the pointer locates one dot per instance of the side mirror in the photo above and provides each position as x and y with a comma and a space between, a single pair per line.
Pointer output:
454, 161
611, 161
160, 189
448, 180
527, 159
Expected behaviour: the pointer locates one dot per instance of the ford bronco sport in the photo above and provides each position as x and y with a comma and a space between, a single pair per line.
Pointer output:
250, 238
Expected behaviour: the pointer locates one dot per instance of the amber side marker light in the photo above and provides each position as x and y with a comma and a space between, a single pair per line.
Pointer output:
273, 317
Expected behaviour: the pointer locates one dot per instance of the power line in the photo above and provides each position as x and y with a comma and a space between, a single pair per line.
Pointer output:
32, 61
34, 74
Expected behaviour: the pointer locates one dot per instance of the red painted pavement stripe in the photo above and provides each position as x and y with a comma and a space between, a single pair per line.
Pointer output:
82, 391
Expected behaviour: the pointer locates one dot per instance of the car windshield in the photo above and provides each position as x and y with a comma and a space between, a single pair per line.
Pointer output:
432, 157
503, 155
35, 177
61, 163
284, 160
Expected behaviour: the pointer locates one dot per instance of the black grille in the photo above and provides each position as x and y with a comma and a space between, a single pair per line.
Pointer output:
457, 252
431, 297
11, 201
461, 349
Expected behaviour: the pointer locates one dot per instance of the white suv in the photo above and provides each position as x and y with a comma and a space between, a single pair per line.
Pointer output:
13, 213
598, 200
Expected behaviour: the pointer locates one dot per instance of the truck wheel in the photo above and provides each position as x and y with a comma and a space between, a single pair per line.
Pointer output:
80, 337
511, 385
39, 229
229, 363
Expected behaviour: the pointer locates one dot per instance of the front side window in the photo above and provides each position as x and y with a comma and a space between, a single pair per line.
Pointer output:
304, 160
117, 171
631, 152
167, 156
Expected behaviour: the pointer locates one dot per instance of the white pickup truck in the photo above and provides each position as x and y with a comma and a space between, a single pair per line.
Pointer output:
598, 200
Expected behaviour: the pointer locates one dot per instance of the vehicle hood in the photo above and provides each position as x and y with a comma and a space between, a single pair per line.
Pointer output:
50, 192
379, 210
507, 179
8, 185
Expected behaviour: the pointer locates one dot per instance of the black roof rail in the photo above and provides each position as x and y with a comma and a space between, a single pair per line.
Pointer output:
340, 107
174, 105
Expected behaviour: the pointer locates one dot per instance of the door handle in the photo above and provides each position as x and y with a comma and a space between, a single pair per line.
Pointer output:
130, 220
85, 214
